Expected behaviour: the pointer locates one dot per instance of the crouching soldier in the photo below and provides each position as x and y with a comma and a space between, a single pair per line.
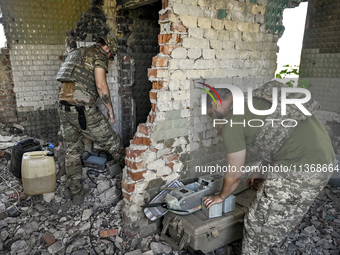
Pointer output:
301, 158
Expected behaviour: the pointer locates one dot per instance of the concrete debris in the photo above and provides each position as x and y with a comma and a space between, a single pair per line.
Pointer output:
51, 224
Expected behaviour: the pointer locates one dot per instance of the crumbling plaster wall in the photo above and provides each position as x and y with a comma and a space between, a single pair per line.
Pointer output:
199, 39
320, 62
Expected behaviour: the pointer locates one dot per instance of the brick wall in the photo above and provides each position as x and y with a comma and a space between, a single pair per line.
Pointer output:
320, 62
35, 34
40, 21
198, 40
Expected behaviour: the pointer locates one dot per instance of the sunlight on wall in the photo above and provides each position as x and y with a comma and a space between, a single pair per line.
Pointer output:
291, 41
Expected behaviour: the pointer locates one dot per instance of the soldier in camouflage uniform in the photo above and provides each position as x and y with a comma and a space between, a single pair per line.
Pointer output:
83, 77
284, 197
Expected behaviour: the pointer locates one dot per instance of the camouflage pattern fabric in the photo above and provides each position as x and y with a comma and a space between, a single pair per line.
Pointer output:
279, 206
80, 71
272, 135
98, 130
111, 42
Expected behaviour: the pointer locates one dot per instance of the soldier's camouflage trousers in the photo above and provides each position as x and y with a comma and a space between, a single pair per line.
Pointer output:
279, 206
98, 130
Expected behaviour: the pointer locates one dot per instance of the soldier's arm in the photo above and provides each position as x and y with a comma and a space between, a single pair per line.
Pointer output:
104, 92
232, 177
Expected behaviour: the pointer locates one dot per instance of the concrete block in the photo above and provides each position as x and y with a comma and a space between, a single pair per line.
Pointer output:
210, 33
181, 95
175, 64
236, 36
189, 21
209, 53
191, 2
178, 74
192, 43
196, 32
216, 44
192, 74
204, 22
219, 73
165, 106
174, 85
217, 24
228, 45
197, 11
205, 64
172, 115
181, 9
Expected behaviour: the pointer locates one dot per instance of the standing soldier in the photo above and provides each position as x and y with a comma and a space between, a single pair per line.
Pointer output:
83, 77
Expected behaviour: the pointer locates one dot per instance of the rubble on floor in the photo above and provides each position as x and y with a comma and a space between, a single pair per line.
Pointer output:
51, 224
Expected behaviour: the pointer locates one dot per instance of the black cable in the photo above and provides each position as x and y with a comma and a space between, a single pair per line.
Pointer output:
94, 171
102, 209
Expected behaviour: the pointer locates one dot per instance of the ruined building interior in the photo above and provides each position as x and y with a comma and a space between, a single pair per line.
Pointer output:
164, 47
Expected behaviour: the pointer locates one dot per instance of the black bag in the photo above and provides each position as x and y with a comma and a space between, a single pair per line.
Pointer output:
18, 150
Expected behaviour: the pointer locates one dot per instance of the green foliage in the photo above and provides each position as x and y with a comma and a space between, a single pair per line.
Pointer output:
301, 83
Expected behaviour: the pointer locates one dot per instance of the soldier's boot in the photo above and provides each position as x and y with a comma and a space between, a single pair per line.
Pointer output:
78, 199
77, 190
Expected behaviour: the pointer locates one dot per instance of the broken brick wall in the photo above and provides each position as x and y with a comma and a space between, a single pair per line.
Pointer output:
35, 32
320, 62
8, 112
198, 40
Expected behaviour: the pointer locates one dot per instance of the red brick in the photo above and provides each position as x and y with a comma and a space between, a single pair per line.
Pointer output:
130, 234
165, 3
144, 129
127, 196
136, 176
157, 84
176, 38
153, 107
171, 165
160, 62
14, 195
130, 153
152, 72
131, 164
153, 95
164, 38
167, 49
171, 157
109, 232
141, 141
178, 27
152, 118
140, 165
128, 187
165, 16
49, 238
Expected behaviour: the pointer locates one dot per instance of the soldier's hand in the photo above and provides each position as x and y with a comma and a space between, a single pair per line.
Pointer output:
209, 201
111, 118
254, 181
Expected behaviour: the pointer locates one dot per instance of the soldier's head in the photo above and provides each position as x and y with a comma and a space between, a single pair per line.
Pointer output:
108, 43
217, 110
